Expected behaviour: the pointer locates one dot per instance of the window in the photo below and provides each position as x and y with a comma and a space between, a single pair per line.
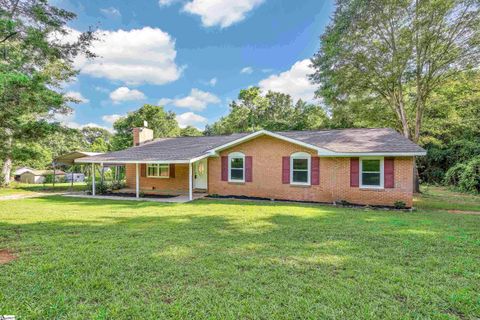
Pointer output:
236, 167
158, 171
300, 168
371, 173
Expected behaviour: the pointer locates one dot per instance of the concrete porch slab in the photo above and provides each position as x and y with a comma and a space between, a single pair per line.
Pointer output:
178, 199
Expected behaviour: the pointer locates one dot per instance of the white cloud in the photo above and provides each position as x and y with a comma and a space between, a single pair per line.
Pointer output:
101, 89
295, 81
213, 82
111, 118
164, 3
164, 101
191, 119
75, 95
68, 120
247, 70
111, 12
223, 13
134, 57
197, 100
126, 94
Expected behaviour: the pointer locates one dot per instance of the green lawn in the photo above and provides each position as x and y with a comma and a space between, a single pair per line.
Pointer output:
101, 259
23, 188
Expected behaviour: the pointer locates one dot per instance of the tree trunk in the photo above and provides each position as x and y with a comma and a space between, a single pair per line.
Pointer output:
7, 160
6, 171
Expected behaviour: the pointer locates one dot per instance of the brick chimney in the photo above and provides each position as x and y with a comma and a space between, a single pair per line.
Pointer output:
142, 135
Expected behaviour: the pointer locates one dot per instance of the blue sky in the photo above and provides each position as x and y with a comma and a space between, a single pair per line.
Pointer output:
192, 56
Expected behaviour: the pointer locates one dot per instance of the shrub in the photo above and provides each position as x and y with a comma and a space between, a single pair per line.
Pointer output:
100, 188
48, 178
344, 203
117, 185
399, 204
465, 176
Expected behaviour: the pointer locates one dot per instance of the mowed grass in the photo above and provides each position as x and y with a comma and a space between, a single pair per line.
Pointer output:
101, 259
16, 188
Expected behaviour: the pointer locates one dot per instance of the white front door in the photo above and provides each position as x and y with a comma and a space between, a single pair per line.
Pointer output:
200, 174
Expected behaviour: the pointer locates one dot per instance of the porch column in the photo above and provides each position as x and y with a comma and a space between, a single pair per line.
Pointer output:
93, 179
137, 181
190, 182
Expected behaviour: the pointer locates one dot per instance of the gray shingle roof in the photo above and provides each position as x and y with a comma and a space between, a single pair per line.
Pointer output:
382, 140
356, 140
166, 149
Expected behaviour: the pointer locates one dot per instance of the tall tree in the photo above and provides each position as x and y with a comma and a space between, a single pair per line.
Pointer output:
163, 124
190, 131
396, 51
33, 66
90, 134
274, 111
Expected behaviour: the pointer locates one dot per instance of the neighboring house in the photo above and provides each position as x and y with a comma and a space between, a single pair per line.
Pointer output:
361, 166
19, 171
77, 177
38, 176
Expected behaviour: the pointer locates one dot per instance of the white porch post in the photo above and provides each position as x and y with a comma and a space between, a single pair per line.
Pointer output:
137, 181
93, 179
190, 182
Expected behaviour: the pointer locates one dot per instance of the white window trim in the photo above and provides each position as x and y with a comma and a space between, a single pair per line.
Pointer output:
382, 175
235, 155
301, 155
158, 165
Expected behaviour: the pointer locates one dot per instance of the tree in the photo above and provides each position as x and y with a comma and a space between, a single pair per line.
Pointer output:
190, 131
90, 134
451, 130
162, 123
273, 111
33, 66
396, 51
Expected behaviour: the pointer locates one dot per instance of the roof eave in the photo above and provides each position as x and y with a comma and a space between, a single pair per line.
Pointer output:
373, 154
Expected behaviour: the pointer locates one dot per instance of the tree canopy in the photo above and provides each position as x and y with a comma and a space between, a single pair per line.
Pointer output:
163, 124
271, 111
395, 54
33, 66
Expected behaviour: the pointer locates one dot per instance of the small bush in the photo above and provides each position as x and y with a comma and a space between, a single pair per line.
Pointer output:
399, 204
48, 178
344, 203
465, 176
117, 185
100, 188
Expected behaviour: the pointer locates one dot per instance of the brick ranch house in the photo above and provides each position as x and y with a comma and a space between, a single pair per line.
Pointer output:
361, 166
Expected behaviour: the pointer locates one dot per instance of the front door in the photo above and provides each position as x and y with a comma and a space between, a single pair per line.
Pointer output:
200, 174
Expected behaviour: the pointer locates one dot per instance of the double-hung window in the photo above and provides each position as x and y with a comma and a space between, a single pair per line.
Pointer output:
300, 168
236, 167
371, 172
158, 171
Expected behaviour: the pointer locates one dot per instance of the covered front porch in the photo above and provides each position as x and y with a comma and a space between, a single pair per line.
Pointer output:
165, 181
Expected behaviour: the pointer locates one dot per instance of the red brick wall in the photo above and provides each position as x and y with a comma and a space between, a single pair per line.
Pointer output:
177, 185
267, 153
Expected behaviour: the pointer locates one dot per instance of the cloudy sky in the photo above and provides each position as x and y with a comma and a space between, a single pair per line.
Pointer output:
191, 56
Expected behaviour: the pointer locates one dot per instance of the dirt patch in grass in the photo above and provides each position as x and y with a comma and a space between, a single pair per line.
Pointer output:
6, 256
463, 212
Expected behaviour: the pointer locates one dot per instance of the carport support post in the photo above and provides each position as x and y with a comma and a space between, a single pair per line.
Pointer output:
93, 179
137, 181
71, 171
190, 182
